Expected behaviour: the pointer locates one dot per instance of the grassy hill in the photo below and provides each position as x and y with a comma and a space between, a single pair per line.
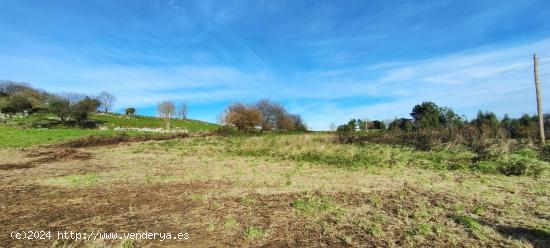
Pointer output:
138, 121
18, 132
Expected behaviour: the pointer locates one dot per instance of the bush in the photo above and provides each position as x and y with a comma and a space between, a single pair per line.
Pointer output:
517, 165
45, 123
226, 131
88, 124
545, 153
492, 152
130, 111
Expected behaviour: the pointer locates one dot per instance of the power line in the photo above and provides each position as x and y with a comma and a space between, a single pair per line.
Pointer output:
485, 80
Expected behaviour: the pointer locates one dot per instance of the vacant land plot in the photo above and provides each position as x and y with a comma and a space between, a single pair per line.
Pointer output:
272, 190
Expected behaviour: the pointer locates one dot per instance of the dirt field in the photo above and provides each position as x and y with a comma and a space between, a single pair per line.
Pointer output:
225, 197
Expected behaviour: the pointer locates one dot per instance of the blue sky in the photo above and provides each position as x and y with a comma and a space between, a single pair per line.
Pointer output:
326, 60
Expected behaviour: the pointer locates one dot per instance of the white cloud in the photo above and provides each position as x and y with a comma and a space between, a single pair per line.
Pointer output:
491, 78
497, 79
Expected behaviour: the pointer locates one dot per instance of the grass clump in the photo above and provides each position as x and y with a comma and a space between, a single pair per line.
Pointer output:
253, 232
473, 225
127, 244
375, 230
422, 229
230, 222
315, 204
83, 180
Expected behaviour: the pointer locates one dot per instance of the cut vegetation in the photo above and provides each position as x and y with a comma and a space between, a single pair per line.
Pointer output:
235, 191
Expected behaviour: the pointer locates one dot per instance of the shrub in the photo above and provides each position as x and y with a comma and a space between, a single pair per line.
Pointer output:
130, 111
524, 162
487, 151
45, 123
226, 131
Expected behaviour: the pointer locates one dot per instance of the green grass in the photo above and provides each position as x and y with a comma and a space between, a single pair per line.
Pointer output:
137, 121
321, 149
473, 225
19, 134
253, 232
230, 222
315, 204
83, 180
26, 137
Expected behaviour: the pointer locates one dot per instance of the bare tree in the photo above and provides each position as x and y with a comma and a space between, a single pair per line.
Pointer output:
182, 111
166, 109
274, 115
106, 99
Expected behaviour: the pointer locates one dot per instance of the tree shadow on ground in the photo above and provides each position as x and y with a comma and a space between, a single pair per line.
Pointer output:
536, 236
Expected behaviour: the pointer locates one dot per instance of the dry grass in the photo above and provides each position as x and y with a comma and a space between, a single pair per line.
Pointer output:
262, 191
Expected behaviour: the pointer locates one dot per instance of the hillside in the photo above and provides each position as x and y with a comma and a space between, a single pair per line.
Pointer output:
22, 131
139, 121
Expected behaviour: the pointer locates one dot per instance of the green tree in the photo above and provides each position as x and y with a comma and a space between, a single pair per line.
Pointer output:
426, 115
402, 124
61, 108
82, 109
130, 111
376, 124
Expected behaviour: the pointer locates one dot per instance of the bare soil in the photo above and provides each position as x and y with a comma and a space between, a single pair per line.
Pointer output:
215, 216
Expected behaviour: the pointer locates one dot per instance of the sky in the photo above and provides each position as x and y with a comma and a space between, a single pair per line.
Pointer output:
328, 61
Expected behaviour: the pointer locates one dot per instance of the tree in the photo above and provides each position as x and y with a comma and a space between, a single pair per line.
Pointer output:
17, 103
486, 120
182, 111
78, 111
130, 111
82, 109
376, 124
351, 126
426, 115
448, 118
166, 109
273, 115
401, 124
242, 116
60, 107
299, 124
286, 123
107, 100
362, 124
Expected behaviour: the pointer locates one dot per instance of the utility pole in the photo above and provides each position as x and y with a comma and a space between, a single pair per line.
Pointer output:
539, 99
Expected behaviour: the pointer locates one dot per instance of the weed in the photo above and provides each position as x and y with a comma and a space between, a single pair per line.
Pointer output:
315, 204
348, 240
253, 232
375, 230
216, 205
478, 210
230, 222
127, 244
421, 229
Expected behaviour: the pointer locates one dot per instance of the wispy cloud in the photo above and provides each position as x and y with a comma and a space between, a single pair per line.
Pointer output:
327, 61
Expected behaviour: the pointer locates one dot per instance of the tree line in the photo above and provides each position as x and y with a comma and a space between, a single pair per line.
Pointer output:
71, 108
429, 115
